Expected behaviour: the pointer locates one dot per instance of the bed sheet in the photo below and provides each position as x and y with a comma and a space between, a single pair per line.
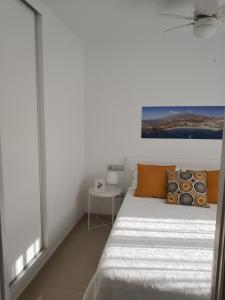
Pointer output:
156, 251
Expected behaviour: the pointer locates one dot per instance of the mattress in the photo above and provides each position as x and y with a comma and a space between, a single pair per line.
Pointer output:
156, 251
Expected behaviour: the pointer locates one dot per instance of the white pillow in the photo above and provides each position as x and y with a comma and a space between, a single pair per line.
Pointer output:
134, 178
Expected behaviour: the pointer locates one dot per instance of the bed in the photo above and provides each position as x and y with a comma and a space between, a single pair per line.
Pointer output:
157, 251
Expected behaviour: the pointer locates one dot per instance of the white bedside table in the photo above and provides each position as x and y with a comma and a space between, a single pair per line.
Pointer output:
110, 192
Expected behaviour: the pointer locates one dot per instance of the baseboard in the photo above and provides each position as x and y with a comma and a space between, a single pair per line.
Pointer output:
20, 286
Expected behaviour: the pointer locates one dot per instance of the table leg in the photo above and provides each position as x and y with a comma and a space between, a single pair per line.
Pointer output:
89, 210
98, 204
118, 203
113, 205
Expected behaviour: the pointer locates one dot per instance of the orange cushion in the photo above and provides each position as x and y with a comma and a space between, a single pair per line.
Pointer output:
152, 181
212, 179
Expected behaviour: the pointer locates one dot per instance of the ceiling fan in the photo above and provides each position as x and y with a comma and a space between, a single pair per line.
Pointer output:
208, 15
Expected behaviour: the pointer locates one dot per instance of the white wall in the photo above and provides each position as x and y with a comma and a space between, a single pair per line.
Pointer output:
63, 69
172, 69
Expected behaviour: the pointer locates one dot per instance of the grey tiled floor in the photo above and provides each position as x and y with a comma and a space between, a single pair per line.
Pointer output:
68, 272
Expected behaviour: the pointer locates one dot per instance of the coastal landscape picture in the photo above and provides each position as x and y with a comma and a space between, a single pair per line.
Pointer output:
183, 122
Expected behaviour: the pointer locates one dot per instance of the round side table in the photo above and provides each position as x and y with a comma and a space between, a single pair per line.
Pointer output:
112, 192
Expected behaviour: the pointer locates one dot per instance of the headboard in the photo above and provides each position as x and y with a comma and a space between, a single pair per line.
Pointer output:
193, 164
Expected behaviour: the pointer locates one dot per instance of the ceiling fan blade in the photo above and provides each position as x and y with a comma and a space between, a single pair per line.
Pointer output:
206, 7
221, 13
178, 27
177, 16
170, 4
221, 8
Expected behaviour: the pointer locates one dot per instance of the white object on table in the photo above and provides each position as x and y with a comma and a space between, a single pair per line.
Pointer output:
110, 192
112, 177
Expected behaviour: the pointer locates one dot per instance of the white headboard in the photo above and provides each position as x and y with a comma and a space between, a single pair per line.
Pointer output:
193, 164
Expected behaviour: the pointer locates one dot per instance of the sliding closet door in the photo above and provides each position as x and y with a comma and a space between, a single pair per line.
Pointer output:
19, 136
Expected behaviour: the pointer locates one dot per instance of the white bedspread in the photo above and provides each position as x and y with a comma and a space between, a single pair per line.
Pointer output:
156, 251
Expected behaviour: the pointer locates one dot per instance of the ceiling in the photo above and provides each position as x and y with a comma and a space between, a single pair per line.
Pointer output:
117, 20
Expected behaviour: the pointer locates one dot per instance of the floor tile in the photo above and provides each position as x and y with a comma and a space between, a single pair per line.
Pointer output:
82, 244
69, 273
66, 275
64, 293
35, 291
53, 293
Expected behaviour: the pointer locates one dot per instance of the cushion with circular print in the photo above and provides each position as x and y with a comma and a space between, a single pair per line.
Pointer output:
187, 188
